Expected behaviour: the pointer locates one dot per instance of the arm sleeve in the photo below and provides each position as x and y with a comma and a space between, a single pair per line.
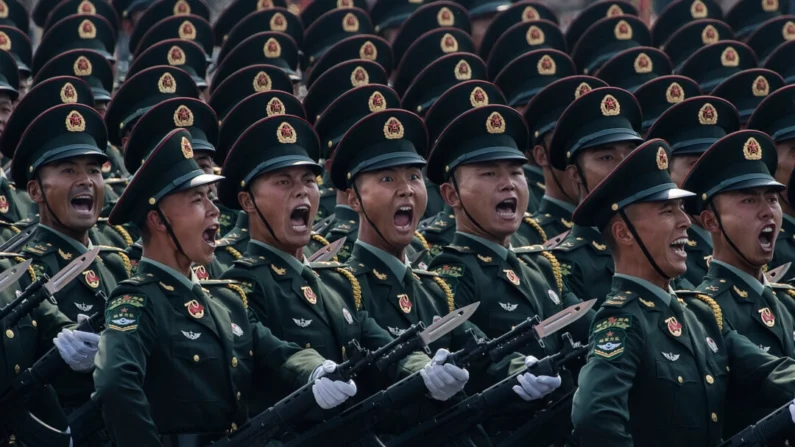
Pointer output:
755, 372
295, 365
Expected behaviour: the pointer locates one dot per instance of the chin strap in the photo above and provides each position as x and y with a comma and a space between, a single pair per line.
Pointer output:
726, 236
170, 231
643, 246
262, 218
557, 182
47, 204
469, 216
366, 217
582, 178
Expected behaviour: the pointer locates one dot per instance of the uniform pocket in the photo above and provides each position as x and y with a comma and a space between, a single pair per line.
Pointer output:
197, 366
677, 383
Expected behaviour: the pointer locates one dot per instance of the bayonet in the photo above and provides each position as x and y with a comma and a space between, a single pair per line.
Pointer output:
563, 318
18, 240
327, 253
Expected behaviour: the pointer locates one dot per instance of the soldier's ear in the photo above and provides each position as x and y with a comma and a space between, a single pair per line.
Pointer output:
244, 199
620, 232
449, 194
35, 191
709, 221
540, 156
154, 222
353, 200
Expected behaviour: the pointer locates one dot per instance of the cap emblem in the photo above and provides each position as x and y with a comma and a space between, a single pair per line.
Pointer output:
359, 77
181, 8
278, 22
183, 117
275, 107
710, 35
75, 122
82, 66
5, 41
788, 31
285, 133
264, 4
614, 10
344, 4
529, 13
272, 48
478, 98
187, 149
393, 129
662, 159
729, 57
262, 82
3, 10
534, 36
463, 72
176, 56
752, 150
377, 102
368, 51
546, 66
68, 93
581, 89
85, 7
643, 64
622, 30
674, 93
445, 17
760, 86
610, 106
707, 115
448, 43
698, 10
187, 31
769, 5
87, 30
167, 83
495, 123
350, 23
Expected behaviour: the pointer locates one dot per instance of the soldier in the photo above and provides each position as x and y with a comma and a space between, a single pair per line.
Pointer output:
591, 137
713, 63
607, 38
659, 94
771, 118
18, 44
237, 11
593, 13
184, 54
518, 12
770, 35
748, 15
634, 67
13, 205
736, 90
667, 364
170, 19
329, 28
678, 15
685, 41
76, 31
177, 359
283, 290
59, 159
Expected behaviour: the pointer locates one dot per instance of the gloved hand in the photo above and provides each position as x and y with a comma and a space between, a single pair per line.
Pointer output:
443, 380
330, 393
792, 411
531, 387
78, 348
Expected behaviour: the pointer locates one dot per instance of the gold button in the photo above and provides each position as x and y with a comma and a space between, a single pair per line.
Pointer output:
680, 379
710, 380
728, 369
234, 362
35, 324
10, 333
251, 353
238, 395
234, 427
196, 358
714, 417
17, 369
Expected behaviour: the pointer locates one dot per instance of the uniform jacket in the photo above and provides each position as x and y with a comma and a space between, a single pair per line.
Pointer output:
587, 263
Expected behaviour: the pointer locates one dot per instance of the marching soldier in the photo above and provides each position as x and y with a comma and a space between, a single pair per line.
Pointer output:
683, 42
746, 89
18, 44
661, 93
13, 205
178, 358
714, 63
647, 345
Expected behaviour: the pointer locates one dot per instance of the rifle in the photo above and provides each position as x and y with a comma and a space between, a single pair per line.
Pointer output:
276, 419
456, 420
356, 421
765, 431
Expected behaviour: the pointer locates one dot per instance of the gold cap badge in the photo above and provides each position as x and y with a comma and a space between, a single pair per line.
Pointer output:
68, 93
181, 8
534, 36
614, 10
368, 51
707, 115
643, 64
463, 72
187, 31
495, 123
75, 122
445, 17
262, 82
769, 5
167, 83
274, 107
788, 30
176, 56
87, 30
87, 8
752, 150
622, 30
478, 98
610, 106
393, 129
285, 133
359, 77
82, 66
264, 4
546, 66
344, 4
377, 102
278, 22
662, 159
529, 14
5, 41
3, 10
448, 43
272, 48
729, 57
698, 10
760, 87
709, 35
350, 23
183, 117
187, 149
674, 93
581, 89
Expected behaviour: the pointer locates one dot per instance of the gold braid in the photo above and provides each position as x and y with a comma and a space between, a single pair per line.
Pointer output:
532, 222
715, 308
422, 240
357, 289
791, 292
235, 254
127, 264
320, 239
124, 234
447, 291
15, 229
553, 261
240, 292
31, 272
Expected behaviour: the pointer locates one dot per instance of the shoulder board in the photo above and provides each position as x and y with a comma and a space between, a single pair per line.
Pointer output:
458, 248
619, 299
217, 282
102, 220
320, 239
38, 249
420, 272
528, 219
570, 243
326, 265
344, 228
24, 223
249, 262
718, 286
109, 249
223, 242
555, 241
529, 249
138, 280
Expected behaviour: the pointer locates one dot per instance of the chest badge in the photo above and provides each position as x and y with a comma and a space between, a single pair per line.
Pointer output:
201, 273
347, 315
195, 309
309, 294
190, 335
767, 317
396, 332
671, 356
511, 275
509, 307
674, 327
236, 330
300, 322
404, 302
91, 279
712, 345
84, 307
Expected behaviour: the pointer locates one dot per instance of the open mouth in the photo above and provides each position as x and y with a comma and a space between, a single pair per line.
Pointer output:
83, 203
507, 209
299, 219
766, 237
403, 218
209, 234
678, 246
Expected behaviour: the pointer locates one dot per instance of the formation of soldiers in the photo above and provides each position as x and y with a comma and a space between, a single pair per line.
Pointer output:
351, 221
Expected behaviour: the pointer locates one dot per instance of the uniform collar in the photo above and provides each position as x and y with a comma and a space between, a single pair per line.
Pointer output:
702, 233
179, 277
77, 246
498, 249
291, 261
664, 296
344, 212
560, 203
394, 264
749, 280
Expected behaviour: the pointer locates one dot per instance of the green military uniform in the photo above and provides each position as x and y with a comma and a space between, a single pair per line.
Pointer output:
648, 346
14, 205
328, 198
535, 184
770, 118
554, 216
179, 356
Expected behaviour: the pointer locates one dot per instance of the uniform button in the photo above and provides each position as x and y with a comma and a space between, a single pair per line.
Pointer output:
680, 379
710, 380
714, 417
234, 362
34, 323
251, 353
9, 333
196, 358
234, 427
308, 346
17, 369
238, 395
728, 369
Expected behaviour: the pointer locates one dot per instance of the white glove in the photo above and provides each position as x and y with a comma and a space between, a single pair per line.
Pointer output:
443, 380
792, 411
330, 393
77, 348
531, 387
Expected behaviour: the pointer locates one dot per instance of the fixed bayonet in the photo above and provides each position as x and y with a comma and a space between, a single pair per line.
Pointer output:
12, 275
777, 273
19, 239
444, 325
563, 318
328, 252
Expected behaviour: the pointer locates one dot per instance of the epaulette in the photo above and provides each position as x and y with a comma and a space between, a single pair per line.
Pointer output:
556, 270
320, 239
24, 223
422, 240
528, 219
425, 222
326, 265
31, 271
437, 224
719, 286
344, 228
120, 253
38, 249
709, 301
458, 248
420, 272
11, 226
529, 249
355, 286
139, 280
620, 299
